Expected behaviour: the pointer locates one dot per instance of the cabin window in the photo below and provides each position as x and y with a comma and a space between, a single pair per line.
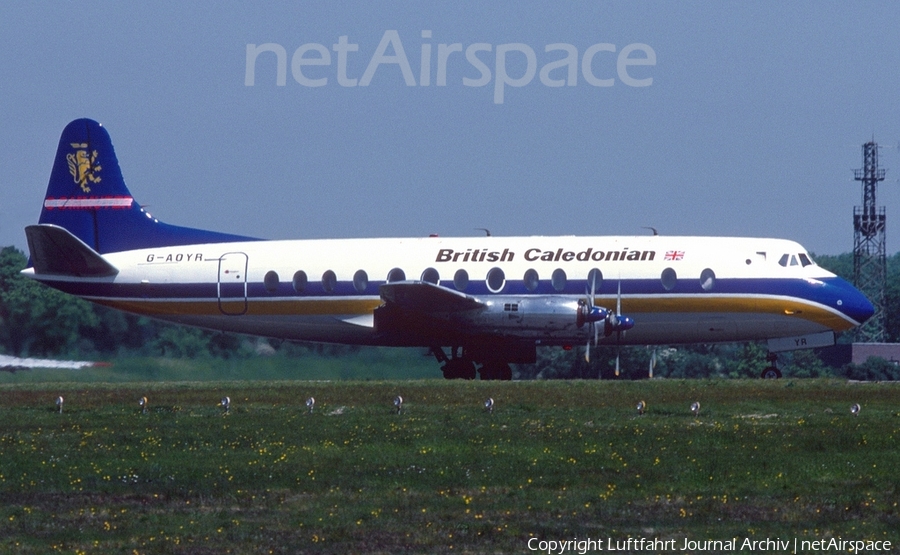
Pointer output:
531, 279
461, 280
431, 275
707, 280
396, 275
594, 280
271, 281
668, 278
360, 281
558, 279
299, 281
496, 279
329, 281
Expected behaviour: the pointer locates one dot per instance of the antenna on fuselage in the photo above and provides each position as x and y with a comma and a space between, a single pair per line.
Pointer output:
485, 230
653, 229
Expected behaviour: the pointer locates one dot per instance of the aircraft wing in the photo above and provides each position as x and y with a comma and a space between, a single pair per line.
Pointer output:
427, 298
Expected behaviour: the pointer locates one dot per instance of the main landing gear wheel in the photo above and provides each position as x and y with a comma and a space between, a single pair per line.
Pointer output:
457, 365
459, 368
496, 371
460, 365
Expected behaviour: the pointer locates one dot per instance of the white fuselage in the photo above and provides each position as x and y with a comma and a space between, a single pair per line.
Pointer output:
677, 289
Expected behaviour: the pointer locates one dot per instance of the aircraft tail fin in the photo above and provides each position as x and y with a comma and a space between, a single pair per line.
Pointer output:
87, 196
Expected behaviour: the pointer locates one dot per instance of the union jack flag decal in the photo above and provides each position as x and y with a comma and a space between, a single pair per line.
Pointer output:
674, 255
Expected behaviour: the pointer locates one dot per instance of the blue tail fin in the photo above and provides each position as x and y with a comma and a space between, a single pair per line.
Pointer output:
88, 197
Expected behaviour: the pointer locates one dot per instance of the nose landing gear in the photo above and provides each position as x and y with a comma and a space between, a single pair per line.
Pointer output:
771, 372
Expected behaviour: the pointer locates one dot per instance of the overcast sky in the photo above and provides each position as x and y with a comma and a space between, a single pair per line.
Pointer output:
696, 118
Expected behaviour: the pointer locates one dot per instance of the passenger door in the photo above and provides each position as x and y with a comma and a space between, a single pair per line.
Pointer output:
232, 286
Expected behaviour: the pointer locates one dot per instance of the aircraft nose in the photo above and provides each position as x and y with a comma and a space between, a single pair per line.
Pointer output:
853, 303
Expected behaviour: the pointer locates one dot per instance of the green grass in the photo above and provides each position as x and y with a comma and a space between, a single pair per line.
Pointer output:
555, 460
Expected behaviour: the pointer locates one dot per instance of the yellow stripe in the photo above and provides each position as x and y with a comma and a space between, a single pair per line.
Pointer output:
254, 308
745, 305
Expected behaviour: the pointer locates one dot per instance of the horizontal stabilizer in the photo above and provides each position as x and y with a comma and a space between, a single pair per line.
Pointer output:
422, 296
55, 251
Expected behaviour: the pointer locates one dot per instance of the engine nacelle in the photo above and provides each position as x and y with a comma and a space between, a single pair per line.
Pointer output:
541, 317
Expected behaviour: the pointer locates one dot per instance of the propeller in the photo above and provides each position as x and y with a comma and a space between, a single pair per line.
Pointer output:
616, 322
588, 313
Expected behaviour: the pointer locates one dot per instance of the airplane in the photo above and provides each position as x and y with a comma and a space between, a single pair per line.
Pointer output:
478, 303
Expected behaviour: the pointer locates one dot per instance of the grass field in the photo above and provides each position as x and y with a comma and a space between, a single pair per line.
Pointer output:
554, 461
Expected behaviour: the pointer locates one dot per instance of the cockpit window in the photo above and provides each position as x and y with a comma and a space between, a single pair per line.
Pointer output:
801, 259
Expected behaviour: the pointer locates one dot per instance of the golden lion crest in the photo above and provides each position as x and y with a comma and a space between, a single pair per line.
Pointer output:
83, 167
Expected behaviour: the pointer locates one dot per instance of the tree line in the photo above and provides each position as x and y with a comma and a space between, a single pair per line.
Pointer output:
36, 320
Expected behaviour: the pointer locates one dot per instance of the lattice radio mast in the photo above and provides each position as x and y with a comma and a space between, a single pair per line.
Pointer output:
869, 258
